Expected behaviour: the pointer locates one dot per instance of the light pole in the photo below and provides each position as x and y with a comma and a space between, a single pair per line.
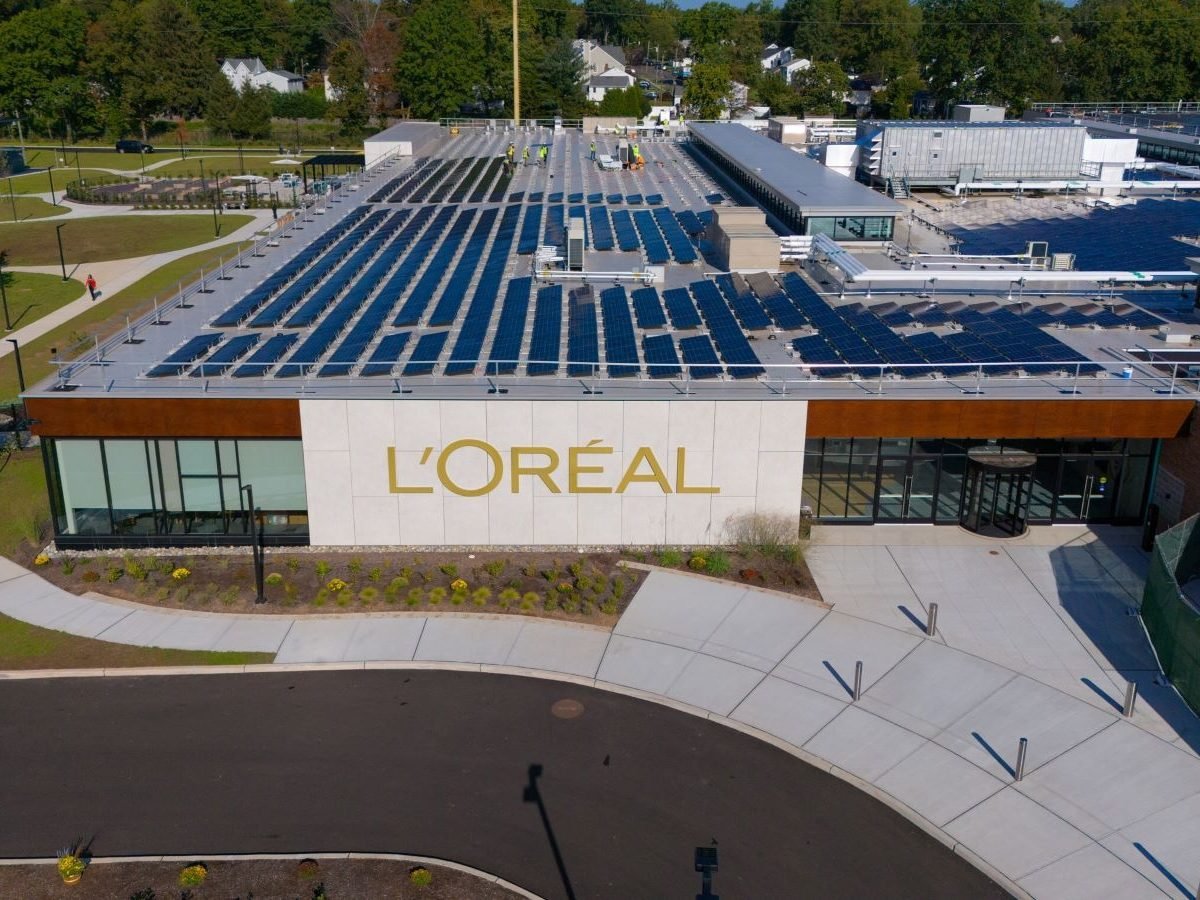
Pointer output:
11, 199
255, 543
50, 175
62, 260
142, 154
17, 357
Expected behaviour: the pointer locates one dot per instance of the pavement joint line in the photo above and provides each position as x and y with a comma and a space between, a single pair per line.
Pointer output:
283, 640
724, 582
253, 857
904, 575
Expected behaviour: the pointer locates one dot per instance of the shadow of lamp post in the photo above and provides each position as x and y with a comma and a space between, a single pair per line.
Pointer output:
706, 864
62, 259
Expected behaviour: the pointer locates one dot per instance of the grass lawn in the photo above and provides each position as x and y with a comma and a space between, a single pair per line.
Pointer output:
110, 237
24, 646
27, 516
27, 208
39, 183
31, 296
103, 320
222, 165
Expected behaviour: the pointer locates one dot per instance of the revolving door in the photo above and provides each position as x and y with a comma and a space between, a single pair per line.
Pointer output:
997, 490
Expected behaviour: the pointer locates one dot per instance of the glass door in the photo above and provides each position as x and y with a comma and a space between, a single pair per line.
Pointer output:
907, 489
1088, 489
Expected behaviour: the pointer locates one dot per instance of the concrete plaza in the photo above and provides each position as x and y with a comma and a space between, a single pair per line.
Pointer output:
1036, 638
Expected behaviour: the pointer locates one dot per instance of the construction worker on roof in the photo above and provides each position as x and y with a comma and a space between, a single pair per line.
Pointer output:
543, 152
525, 156
593, 150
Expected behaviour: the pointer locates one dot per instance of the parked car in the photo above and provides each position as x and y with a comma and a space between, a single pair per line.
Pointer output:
644, 84
132, 146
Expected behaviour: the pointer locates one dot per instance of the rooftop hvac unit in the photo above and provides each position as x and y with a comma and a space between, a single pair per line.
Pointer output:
575, 245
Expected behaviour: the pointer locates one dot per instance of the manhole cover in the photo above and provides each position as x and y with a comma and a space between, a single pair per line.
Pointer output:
567, 709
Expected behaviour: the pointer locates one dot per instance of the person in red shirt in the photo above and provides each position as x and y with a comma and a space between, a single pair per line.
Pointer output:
91, 286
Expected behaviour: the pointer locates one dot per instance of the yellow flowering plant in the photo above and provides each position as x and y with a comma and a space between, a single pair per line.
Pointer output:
70, 866
335, 584
458, 585
193, 875
41, 559
181, 574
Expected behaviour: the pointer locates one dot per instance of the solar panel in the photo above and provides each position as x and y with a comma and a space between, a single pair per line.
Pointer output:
271, 351
556, 232
179, 359
652, 240
547, 332
583, 349
506, 346
661, 358
531, 228
648, 308
627, 238
680, 245
602, 236
744, 304
425, 354
735, 350
446, 310
413, 308
383, 360
467, 347
700, 357
782, 311
620, 343
681, 309
223, 358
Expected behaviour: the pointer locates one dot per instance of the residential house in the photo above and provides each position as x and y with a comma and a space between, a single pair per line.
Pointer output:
242, 71
608, 80
598, 58
782, 60
793, 66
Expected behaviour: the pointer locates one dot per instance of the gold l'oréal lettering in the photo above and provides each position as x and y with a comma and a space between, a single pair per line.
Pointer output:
574, 469
656, 475
681, 485
396, 488
449, 484
517, 468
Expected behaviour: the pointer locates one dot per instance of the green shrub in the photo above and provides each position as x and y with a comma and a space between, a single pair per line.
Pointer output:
698, 563
609, 607
193, 875
322, 596
396, 585
307, 869
564, 587
618, 587
576, 569
600, 586
549, 602
449, 570
368, 594
405, 572
570, 603
355, 565
718, 562
293, 564
289, 590
437, 595
415, 596
323, 569
529, 571
528, 602
495, 567
508, 597
583, 583
669, 557
458, 598
420, 877
135, 569
375, 574
162, 593
230, 594
343, 598
68, 565
181, 594
481, 595
113, 574
551, 575
274, 578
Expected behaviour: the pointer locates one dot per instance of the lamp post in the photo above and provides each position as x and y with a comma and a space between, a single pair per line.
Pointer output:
142, 154
255, 543
17, 357
11, 199
50, 175
62, 259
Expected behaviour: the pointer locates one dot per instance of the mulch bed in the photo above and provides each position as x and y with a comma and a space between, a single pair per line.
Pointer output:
586, 587
340, 879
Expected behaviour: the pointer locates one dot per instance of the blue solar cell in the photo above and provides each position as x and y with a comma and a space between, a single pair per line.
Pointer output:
556, 233
223, 358
602, 236
653, 199
661, 359
700, 357
531, 228
583, 348
633, 199
556, 197
620, 342
648, 308
506, 346
577, 197
681, 246
735, 350
267, 355
425, 354
414, 307
652, 239
595, 198
481, 192
681, 309
627, 238
179, 359
383, 360
467, 348
616, 198
690, 222
446, 310
547, 332
744, 304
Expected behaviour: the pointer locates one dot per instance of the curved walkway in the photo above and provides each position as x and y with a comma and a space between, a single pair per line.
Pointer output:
1107, 808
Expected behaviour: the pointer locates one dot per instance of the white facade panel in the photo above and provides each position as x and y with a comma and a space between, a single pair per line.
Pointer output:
552, 473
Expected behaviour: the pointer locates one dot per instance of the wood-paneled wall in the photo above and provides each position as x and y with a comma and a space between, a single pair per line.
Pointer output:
166, 418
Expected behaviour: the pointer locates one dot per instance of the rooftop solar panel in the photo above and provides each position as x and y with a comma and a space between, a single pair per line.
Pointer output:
506, 346
425, 355
700, 357
620, 342
661, 359
544, 346
385, 356
268, 354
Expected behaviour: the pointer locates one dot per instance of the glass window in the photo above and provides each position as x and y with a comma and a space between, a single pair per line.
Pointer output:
84, 498
197, 458
276, 470
202, 494
133, 498
835, 472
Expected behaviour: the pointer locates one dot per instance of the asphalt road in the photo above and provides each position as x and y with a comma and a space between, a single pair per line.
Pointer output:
437, 763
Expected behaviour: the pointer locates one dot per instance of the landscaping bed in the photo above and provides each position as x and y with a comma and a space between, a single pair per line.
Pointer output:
590, 587
284, 879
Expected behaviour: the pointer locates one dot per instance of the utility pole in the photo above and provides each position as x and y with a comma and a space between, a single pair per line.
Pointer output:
516, 68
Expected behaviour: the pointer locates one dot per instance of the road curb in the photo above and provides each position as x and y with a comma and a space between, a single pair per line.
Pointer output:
250, 857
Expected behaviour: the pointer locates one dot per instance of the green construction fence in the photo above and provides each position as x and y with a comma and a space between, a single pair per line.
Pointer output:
1171, 619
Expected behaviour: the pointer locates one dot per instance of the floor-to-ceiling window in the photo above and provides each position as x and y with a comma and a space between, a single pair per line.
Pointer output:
191, 491
921, 480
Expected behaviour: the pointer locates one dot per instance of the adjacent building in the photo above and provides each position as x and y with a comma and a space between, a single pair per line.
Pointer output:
241, 72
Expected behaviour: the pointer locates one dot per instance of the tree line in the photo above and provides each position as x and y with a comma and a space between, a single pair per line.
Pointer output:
112, 67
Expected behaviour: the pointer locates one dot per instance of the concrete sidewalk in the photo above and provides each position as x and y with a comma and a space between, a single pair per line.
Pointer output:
1107, 808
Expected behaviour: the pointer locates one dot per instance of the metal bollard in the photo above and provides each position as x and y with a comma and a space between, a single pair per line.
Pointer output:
857, 680
1130, 700
931, 624
1021, 748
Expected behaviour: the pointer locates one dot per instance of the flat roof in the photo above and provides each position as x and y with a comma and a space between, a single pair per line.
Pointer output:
814, 189
421, 273
959, 123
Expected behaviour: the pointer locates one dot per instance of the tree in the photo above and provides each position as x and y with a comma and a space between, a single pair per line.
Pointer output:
441, 66
556, 87
896, 100
821, 89
252, 113
170, 43
41, 56
347, 76
219, 105
707, 93
810, 27
627, 102
771, 89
